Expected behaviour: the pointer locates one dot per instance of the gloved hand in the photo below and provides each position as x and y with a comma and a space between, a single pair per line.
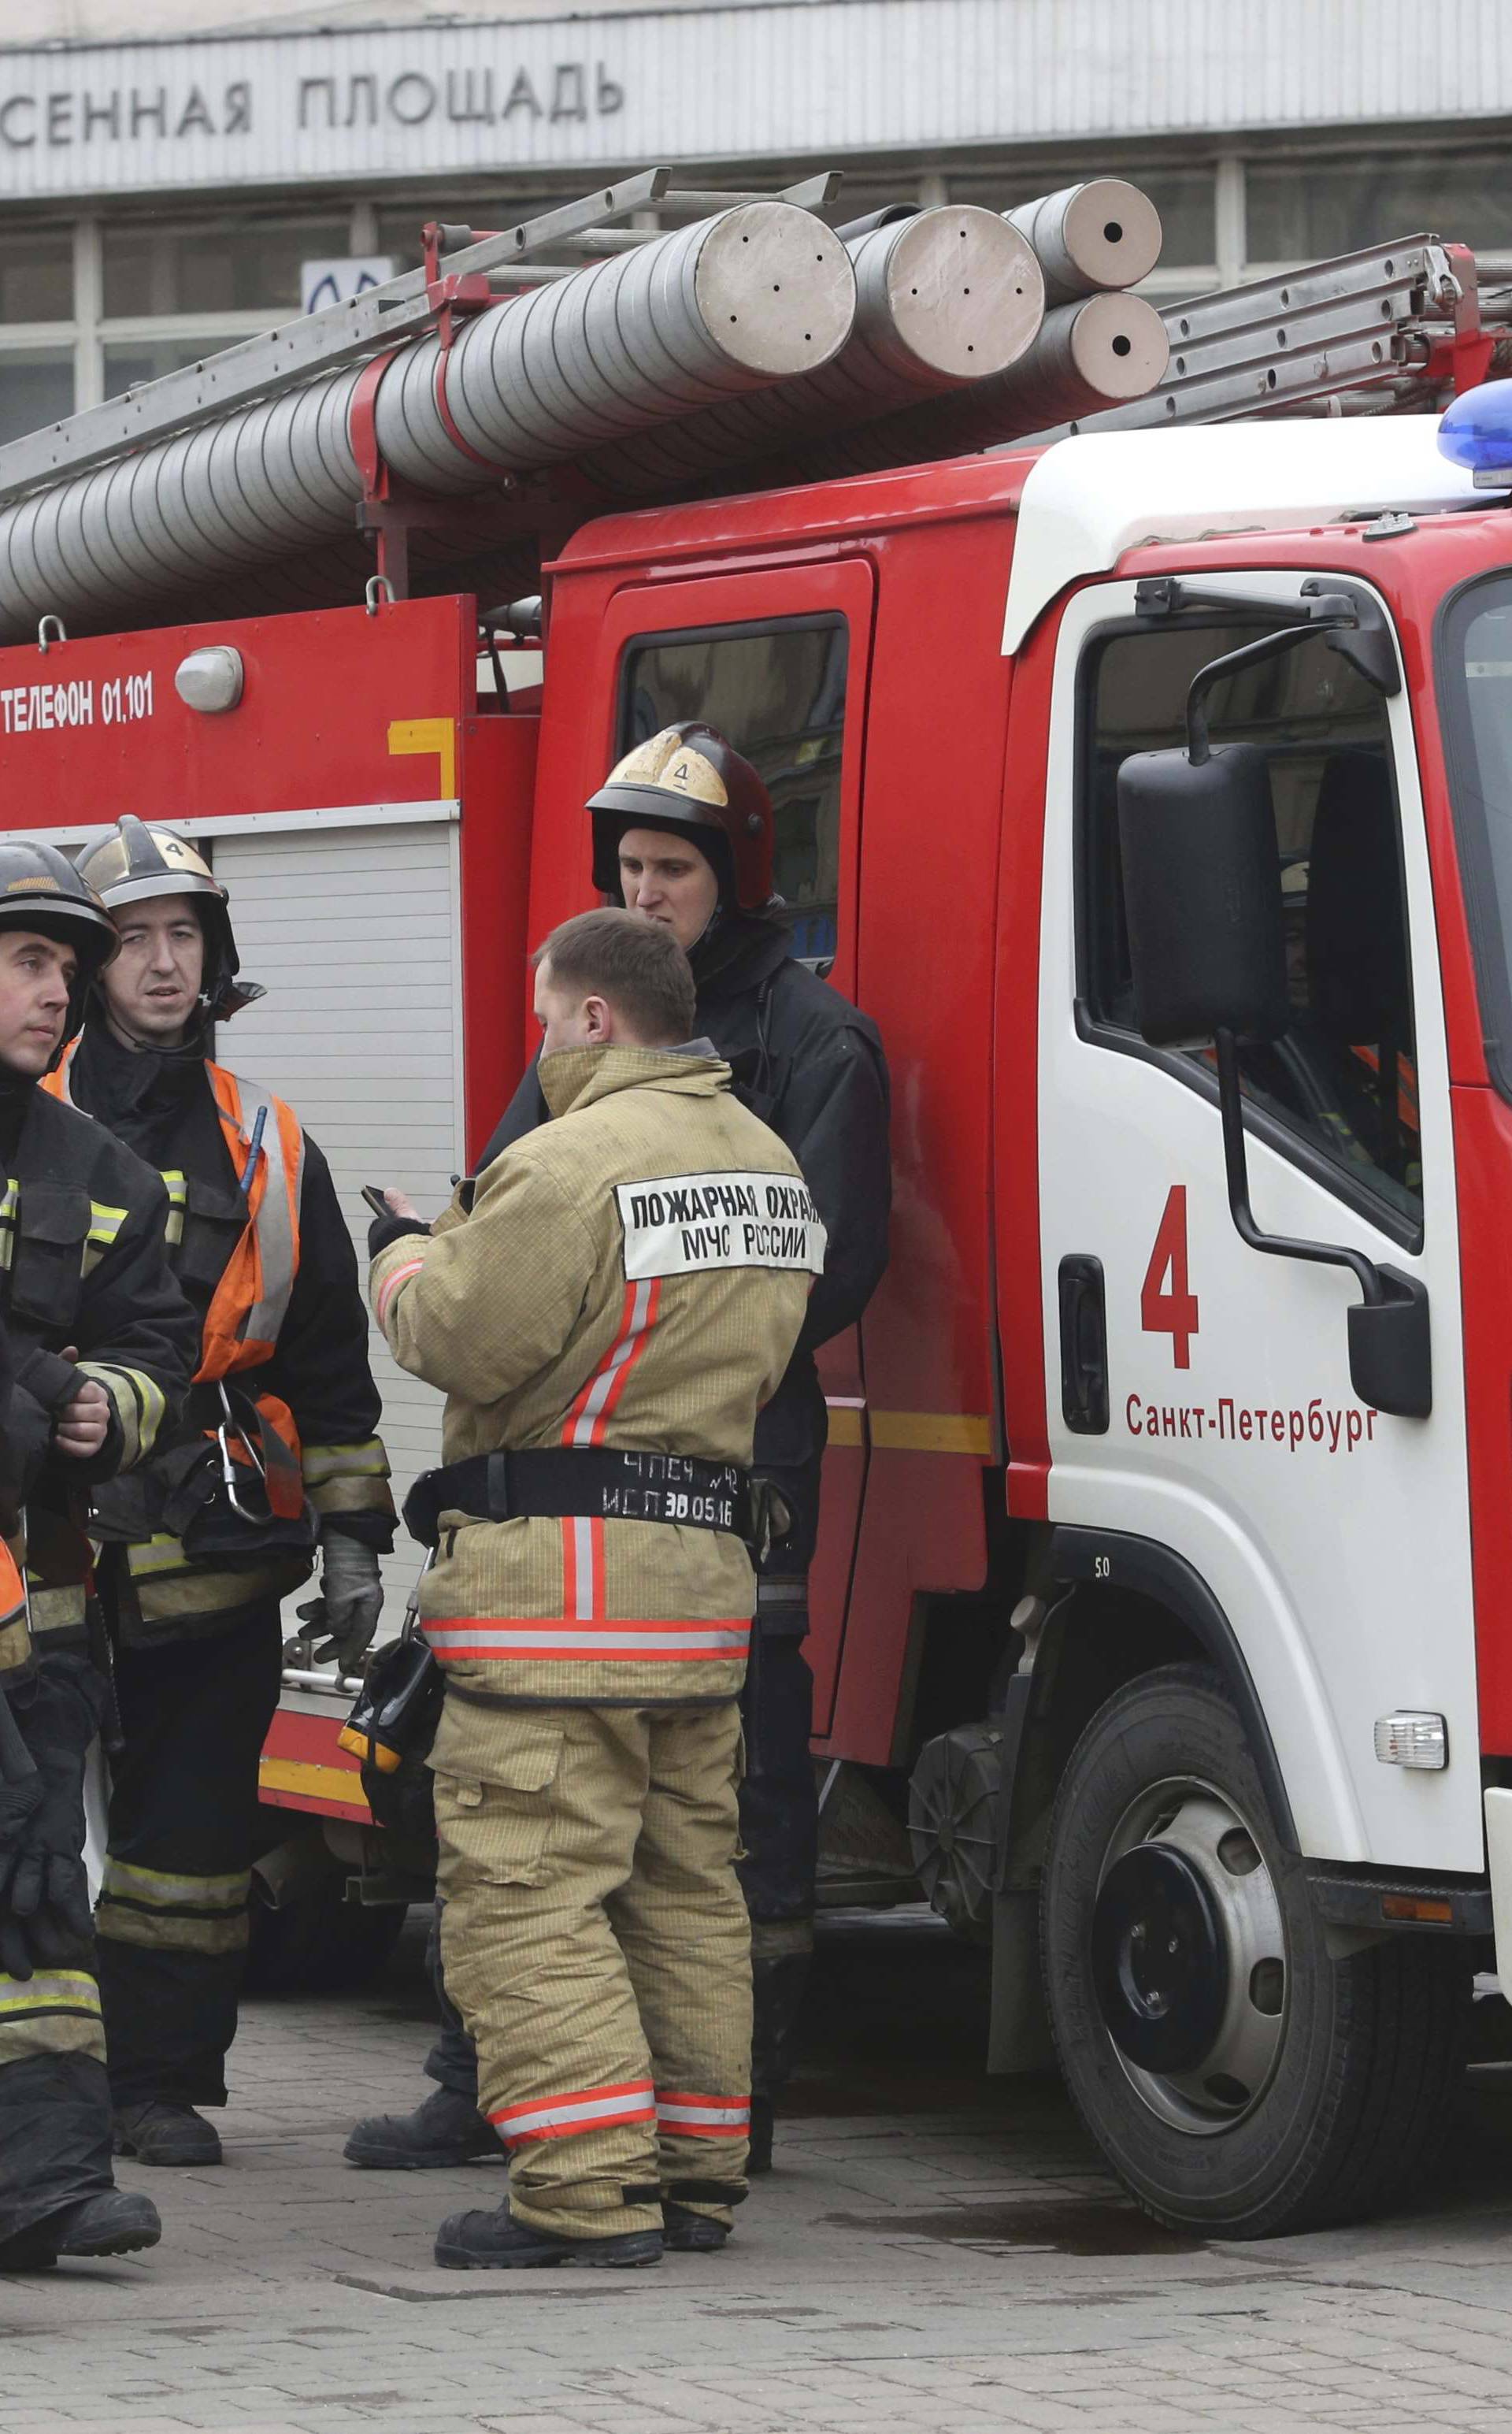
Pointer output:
349, 1604
45, 1903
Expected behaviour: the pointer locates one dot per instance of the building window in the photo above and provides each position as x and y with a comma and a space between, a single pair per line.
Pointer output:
36, 388
220, 266
37, 275
1305, 211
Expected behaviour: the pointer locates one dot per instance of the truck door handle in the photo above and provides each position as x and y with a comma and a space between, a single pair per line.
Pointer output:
1084, 1345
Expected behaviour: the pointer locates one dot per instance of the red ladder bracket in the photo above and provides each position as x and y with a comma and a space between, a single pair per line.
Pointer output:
1463, 358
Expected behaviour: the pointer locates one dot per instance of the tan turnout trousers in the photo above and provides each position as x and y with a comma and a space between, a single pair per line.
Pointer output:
596, 1944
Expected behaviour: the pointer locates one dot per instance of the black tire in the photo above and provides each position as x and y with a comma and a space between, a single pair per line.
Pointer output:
319, 1944
1367, 2048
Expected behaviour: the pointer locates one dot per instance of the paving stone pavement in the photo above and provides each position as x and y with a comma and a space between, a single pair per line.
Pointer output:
936, 2250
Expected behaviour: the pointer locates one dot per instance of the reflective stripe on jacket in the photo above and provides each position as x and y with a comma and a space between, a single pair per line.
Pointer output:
246, 1281
633, 1276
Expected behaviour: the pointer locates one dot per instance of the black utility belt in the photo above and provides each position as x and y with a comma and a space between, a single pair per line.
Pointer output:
593, 1483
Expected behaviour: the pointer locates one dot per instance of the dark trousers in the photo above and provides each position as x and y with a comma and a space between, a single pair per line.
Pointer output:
779, 1834
55, 2136
172, 1920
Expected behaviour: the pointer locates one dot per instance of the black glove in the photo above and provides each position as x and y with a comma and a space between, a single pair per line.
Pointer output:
44, 1887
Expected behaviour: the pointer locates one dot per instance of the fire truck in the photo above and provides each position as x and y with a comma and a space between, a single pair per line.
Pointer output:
1153, 792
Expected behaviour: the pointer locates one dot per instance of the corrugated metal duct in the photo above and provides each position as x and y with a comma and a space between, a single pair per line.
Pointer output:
757, 294
945, 297
1100, 352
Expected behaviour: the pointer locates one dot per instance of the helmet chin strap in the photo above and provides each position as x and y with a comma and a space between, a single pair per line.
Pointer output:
189, 1049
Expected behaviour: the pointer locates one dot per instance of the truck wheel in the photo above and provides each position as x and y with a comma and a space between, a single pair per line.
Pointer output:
318, 1942
1239, 2079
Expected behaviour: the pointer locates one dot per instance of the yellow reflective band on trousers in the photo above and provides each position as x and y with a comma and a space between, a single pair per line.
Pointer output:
348, 1479
55, 1610
56, 2011
15, 1646
173, 1913
169, 1583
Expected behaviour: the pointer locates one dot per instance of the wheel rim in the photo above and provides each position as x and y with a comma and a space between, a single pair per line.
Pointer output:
1189, 1957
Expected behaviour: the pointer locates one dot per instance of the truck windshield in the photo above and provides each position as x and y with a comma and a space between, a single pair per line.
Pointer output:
1475, 686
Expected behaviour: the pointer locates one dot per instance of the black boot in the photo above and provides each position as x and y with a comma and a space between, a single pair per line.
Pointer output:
446, 2129
113, 2224
498, 2241
691, 2233
161, 2132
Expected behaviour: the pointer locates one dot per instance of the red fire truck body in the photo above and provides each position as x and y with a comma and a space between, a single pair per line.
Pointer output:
1079, 1398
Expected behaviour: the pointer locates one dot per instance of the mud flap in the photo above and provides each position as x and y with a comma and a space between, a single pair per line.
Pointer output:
1018, 2033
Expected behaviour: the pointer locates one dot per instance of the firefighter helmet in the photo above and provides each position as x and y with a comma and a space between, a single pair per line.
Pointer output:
690, 782
40, 890
135, 863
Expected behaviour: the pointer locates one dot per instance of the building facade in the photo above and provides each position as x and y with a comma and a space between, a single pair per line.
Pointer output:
165, 192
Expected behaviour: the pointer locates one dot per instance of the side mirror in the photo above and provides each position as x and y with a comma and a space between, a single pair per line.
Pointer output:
1202, 896
1207, 952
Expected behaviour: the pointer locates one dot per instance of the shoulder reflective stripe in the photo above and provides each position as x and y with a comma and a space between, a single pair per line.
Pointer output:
251, 1300
276, 1223
567, 2116
105, 1222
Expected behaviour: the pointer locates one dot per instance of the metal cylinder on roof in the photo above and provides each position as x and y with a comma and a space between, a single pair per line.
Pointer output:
1101, 352
1104, 233
754, 295
944, 298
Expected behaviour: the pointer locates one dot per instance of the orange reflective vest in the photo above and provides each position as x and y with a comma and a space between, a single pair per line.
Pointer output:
251, 1301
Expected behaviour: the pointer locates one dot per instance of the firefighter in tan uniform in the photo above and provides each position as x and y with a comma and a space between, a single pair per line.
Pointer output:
606, 1319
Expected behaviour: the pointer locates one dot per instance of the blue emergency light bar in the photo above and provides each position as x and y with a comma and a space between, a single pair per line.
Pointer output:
1476, 432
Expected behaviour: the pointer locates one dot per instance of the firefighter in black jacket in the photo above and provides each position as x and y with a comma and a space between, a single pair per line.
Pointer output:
683, 832
277, 1448
99, 1344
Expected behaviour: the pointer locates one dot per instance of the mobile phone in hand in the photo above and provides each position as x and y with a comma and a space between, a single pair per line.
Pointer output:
375, 1201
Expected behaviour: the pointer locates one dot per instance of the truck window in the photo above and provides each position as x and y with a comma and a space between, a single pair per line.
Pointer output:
778, 692
1339, 1090
1475, 682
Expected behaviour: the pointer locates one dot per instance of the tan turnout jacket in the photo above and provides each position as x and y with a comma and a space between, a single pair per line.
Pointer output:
632, 1274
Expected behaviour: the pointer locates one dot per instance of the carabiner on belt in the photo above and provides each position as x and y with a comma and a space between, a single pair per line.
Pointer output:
224, 1434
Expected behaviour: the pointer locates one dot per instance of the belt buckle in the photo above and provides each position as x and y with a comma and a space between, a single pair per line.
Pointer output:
496, 1487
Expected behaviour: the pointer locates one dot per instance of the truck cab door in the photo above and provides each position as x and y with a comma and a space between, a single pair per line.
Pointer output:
1199, 1397
779, 662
